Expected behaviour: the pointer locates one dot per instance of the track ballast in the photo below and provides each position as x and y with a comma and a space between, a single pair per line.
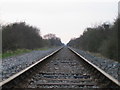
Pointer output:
64, 69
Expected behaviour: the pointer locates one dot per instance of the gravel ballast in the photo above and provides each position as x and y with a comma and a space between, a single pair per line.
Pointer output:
63, 70
110, 66
17, 63
63, 63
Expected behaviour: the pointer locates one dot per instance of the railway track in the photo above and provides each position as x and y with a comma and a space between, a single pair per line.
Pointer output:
63, 68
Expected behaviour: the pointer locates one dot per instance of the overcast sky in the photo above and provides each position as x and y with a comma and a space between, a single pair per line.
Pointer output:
65, 18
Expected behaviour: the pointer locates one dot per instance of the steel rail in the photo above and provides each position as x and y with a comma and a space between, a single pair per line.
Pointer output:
26, 69
98, 69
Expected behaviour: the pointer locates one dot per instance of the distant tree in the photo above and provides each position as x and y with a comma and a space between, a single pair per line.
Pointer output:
20, 35
53, 40
102, 39
0, 38
49, 36
109, 47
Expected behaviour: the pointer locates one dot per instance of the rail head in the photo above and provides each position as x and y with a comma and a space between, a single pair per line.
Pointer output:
26, 69
96, 67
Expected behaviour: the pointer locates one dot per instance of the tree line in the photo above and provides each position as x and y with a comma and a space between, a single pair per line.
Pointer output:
101, 39
19, 35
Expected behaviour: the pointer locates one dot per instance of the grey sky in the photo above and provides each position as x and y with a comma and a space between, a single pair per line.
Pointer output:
65, 18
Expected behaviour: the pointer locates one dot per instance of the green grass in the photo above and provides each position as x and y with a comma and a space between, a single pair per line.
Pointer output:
20, 51
96, 54
0, 55
45, 48
100, 55
14, 53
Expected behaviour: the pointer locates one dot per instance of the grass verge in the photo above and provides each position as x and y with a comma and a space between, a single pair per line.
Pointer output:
0, 55
101, 56
18, 52
14, 53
